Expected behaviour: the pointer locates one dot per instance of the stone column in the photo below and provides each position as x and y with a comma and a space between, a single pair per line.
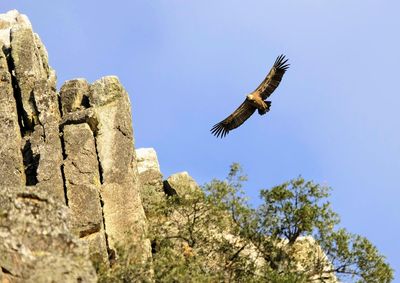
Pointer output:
152, 189
82, 181
11, 162
103, 111
34, 102
124, 216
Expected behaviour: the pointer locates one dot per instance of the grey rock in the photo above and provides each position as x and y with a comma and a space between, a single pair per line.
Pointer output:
181, 184
75, 148
35, 104
74, 95
151, 179
108, 119
147, 160
11, 162
82, 181
125, 220
7, 21
35, 242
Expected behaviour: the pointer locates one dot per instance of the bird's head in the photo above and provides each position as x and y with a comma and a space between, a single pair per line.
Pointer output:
250, 97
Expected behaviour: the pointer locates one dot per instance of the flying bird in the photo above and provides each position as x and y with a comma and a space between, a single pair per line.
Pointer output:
254, 101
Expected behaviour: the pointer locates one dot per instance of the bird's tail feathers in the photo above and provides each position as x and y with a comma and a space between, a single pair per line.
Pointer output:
263, 111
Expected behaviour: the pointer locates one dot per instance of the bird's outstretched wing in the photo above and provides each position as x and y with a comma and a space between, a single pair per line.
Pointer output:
241, 114
274, 77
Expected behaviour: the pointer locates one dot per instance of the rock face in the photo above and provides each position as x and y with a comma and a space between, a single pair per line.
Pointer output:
180, 184
152, 190
73, 190
147, 161
102, 185
35, 242
82, 180
30, 116
75, 146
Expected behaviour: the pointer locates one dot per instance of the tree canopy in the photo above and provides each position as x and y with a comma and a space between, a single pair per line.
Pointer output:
212, 234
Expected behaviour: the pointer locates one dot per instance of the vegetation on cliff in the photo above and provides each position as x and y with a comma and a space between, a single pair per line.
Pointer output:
213, 235
72, 191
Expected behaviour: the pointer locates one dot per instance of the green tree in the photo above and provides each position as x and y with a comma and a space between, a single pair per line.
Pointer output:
296, 209
199, 235
212, 234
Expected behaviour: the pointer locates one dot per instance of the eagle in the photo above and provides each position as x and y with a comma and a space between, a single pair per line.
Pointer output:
255, 100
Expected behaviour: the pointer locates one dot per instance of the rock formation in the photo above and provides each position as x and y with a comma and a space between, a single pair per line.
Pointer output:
73, 190
152, 190
36, 244
73, 148
101, 178
29, 110
183, 186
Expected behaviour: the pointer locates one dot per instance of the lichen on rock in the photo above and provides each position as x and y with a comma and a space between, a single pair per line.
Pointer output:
71, 153
36, 244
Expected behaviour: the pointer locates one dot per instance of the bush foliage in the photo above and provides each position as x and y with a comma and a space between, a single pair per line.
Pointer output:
212, 234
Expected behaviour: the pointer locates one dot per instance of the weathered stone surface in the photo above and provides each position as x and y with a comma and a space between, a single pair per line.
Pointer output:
46, 140
114, 135
82, 156
307, 252
108, 117
76, 148
151, 180
11, 162
74, 95
35, 104
147, 160
82, 181
106, 90
124, 222
87, 116
79, 152
181, 184
7, 21
35, 242
123, 212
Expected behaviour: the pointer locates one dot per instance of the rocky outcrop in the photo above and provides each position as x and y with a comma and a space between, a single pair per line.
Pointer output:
172, 226
35, 242
181, 184
30, 116
82, 181
147, 162
75, 146
152, 190
102, 184
73, 190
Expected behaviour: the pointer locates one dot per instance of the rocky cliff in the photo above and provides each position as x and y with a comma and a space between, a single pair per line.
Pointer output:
68, 151
75, 196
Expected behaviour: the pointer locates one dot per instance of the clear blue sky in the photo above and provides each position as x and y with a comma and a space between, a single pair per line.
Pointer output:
187, 64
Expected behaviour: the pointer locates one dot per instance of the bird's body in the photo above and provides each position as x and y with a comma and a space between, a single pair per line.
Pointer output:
254, 101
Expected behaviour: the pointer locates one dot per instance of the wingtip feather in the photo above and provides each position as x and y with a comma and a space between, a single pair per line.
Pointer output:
281, 62
219, 130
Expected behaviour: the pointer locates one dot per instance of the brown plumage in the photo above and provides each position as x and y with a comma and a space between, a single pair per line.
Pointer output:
254, 101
